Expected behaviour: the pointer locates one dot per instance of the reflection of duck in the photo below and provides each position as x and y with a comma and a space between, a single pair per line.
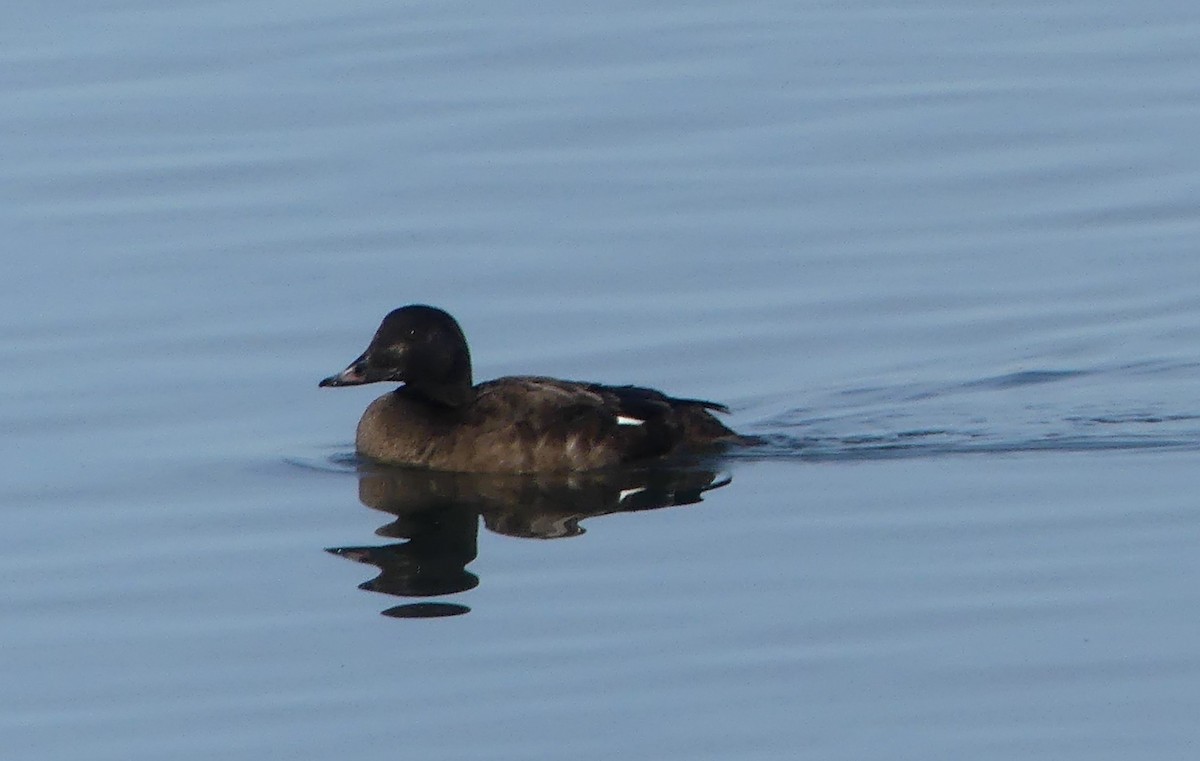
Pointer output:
518, 424
438, 513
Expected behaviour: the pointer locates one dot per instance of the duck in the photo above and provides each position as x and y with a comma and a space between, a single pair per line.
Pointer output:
439, 419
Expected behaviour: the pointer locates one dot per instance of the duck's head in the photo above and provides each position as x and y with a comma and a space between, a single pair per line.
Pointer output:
420, 346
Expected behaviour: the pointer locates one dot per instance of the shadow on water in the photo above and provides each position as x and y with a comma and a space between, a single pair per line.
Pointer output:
438, 514
1030, 411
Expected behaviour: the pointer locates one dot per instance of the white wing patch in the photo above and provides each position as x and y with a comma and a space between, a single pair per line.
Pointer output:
627, 493
623, 420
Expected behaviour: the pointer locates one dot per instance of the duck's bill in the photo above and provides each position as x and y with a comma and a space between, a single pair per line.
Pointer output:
351, 376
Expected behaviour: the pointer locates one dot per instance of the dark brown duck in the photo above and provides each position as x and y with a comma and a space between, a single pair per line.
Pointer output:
519, 424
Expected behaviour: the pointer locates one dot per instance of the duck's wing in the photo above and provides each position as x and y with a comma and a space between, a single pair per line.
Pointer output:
569, 425
690, 421
546, 403
629, 403
635, 399
644, 420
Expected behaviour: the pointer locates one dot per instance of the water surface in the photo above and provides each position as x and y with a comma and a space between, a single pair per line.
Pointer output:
941, 259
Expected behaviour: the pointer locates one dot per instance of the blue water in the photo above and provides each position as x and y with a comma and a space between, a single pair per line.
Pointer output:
940, 259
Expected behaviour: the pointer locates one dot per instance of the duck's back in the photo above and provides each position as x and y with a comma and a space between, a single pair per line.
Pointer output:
524, 424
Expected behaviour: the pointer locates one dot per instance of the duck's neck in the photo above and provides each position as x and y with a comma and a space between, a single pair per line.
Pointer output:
455, 395
445, 378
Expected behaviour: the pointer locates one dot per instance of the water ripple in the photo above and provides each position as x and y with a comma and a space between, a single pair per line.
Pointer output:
1000, 416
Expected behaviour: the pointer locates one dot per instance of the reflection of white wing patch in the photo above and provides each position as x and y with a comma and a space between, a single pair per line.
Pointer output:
622, 420
626, 493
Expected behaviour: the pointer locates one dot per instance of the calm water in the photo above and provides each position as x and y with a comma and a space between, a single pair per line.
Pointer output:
941, 258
